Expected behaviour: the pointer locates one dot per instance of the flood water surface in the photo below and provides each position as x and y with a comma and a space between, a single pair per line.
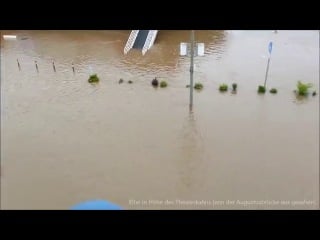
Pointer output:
64, 140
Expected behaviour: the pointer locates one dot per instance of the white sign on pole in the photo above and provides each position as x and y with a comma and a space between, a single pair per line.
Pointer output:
270, 48
183, 49
200, 49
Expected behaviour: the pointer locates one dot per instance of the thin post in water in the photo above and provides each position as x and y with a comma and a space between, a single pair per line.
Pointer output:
73, 68
36, 66
265, 79
191, 70
18, 64
270, 50
54, 67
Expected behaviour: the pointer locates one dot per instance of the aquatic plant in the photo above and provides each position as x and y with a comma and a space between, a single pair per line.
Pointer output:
198, 86
303, 88
273, 90
163, 84
261, 89
223, 87
93, 78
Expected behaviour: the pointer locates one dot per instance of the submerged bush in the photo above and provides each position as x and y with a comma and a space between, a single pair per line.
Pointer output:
198, 86
93, 78
261, 89
163, 84
303, 88
273, 90
155, 82
223, 87
234, 87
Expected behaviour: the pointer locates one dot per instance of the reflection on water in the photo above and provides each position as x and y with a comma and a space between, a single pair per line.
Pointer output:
191, 161
64, 140
300, 99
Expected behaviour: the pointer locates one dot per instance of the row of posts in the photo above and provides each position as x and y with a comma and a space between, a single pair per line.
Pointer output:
37, 68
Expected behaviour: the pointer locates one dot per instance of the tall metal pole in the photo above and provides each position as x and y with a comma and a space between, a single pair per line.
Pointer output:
265, 80
270, 50
191, 70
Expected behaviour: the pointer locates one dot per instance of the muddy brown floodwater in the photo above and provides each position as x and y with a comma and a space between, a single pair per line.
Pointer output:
64, 140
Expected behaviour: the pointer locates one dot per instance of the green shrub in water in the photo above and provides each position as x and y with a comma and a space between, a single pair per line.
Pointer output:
234, 87
273, 90
261, 89
198, 86
93, 78
223, 87
303, 88
163, 84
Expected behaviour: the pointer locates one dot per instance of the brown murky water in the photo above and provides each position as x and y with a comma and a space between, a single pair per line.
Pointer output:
64, 140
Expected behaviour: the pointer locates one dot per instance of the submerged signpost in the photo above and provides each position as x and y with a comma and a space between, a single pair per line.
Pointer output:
192, 50
270, 50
